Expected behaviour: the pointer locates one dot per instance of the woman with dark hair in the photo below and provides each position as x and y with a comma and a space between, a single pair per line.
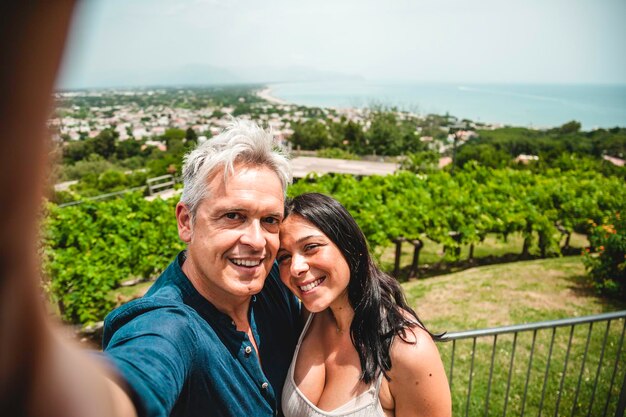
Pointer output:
363, 351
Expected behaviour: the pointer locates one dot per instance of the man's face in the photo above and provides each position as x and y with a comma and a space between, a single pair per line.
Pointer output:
233, 240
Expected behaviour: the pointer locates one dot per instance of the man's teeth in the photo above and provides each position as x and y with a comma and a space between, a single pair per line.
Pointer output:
244, 262
309, 287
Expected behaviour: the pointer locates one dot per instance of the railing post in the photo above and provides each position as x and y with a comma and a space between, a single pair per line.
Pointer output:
160, 183
621, 404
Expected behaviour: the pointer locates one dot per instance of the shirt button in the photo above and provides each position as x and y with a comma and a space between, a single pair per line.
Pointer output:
265, 385
248, 350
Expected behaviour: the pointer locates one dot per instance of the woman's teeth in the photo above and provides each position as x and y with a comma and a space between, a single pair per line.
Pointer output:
309, 287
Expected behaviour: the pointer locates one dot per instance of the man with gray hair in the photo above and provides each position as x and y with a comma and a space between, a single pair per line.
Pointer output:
215, 334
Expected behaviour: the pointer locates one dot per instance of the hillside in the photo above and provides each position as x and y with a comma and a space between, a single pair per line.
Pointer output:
505, 294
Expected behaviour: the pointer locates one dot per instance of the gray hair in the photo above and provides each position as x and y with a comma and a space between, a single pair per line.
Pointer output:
241, 142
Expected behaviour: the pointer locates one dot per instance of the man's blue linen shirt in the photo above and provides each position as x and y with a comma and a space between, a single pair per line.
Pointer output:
182, 357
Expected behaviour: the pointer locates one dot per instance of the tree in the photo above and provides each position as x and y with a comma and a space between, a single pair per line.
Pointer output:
104, 143
242, 108
421, 162
173, 134
353, 134
310, 135
570, 127
127, 149
77, 151
484, 153
111, 180
384, 135
92, 164
191, 136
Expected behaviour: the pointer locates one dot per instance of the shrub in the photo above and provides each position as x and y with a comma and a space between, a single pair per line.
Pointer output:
605, 259
336, 153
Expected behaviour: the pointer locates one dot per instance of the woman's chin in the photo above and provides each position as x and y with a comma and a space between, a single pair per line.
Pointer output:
315, 307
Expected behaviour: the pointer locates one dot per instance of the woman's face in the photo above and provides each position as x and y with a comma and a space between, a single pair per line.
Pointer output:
311, 265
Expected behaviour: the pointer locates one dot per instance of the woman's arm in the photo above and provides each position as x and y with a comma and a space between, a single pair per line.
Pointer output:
418, 385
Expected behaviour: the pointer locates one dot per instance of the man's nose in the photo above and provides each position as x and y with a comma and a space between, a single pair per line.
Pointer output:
254, 235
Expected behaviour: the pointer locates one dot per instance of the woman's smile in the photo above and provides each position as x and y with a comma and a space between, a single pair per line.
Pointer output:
311, 265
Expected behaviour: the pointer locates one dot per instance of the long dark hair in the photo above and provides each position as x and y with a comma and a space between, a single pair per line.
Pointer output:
380, 308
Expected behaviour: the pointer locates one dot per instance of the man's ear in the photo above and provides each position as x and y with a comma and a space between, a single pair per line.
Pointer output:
183, 219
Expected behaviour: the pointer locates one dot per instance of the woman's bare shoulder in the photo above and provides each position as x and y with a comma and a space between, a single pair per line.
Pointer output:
415, 343
418, 380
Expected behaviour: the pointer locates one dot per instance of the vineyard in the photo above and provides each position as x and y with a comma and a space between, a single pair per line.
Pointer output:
92, 248
464, 208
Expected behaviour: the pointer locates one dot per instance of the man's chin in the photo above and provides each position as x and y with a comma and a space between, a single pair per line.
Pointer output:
250, 286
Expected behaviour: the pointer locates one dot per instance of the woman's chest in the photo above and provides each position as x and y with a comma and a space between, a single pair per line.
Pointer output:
328, 375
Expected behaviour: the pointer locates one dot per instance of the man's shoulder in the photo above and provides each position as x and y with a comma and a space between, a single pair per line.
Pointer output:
166, 294
157, 303
155, 311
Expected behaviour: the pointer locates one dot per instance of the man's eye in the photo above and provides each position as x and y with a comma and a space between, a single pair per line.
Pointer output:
232, 216
272, 220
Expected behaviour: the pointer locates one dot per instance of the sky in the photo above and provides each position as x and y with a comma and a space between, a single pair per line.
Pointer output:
117, 43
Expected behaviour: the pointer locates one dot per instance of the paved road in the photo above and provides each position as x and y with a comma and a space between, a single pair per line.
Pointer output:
304, 165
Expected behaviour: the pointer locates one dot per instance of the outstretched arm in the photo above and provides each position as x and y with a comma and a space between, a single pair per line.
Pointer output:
40, 375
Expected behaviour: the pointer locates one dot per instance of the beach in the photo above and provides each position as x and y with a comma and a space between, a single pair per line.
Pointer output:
266, 94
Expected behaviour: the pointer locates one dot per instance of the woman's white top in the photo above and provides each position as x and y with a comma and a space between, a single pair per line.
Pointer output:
295, 404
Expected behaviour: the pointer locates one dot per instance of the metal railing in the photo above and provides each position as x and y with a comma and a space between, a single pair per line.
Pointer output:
569, 367
154, 186
157, 184
103, 196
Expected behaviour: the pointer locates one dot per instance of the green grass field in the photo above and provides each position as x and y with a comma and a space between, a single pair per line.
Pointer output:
516, 293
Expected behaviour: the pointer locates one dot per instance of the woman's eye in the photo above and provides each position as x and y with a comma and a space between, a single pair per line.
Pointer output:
311, 246
282, 258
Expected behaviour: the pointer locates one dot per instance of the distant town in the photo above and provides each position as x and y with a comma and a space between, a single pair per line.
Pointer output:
124, 113
108, 141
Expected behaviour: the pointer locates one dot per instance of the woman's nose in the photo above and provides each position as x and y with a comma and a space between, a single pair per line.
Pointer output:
299, 265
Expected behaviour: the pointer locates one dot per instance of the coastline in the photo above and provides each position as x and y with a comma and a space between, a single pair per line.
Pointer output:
266, 94
535, 106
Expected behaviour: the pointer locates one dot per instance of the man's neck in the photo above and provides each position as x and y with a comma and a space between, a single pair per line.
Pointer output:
235, 307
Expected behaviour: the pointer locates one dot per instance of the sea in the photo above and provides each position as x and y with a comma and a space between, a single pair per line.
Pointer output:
530, 105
